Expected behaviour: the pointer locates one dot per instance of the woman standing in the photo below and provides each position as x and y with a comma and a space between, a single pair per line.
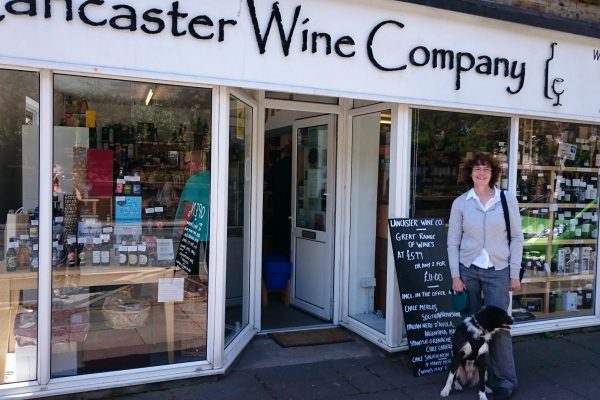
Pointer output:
482, 260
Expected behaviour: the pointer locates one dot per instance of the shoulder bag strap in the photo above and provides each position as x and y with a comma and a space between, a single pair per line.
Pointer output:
507, 220
506, 216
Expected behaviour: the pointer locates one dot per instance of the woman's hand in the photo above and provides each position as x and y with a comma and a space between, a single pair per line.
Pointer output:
515, 284
458, 285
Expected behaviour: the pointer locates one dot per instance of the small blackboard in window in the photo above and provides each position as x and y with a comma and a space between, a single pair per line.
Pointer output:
191, 248
421, 260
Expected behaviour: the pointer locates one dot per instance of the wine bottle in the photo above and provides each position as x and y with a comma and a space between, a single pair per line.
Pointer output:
96, 252
34, 262
142, 255
71, 251
11, 256
123, 261
132, 254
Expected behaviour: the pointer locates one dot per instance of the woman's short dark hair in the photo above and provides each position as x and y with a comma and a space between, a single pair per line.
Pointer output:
482, 158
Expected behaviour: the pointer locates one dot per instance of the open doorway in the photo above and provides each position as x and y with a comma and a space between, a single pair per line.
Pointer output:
299, 176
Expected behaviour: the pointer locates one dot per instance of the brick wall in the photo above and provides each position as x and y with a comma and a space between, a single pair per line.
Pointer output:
577, 10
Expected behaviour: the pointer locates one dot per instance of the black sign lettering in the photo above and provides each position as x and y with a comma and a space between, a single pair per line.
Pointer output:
421, 259
129, 19
175, 15
261, 39
83, 16
370, 41
149, 17
69, 11
222, 23
30, 8
200, 20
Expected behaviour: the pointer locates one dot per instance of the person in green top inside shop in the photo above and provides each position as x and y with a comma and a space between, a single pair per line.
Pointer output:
194, 203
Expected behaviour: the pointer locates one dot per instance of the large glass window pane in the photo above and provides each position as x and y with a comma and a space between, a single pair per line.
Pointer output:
442, 142
238, 217
19, 257
311, 178
368, 218
131, 207
557, 189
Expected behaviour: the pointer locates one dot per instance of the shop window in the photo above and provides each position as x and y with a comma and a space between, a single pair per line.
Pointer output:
19, 257
368, 218
308, 98
238, 217
131, 205
557, 189
442, 142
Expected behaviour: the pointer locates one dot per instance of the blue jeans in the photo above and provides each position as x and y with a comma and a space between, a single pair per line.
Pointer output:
494, 285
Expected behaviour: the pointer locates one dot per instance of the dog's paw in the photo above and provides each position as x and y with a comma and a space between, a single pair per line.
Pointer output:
457, 386
482, 396
445, 391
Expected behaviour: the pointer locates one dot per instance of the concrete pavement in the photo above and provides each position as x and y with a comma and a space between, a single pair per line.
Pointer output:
555, 366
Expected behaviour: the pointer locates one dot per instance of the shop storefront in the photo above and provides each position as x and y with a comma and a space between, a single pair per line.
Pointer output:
178, 176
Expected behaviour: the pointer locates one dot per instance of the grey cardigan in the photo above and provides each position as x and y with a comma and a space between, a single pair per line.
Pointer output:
471, 229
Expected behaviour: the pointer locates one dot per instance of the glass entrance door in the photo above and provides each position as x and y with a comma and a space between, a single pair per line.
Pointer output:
312, 219
241, 123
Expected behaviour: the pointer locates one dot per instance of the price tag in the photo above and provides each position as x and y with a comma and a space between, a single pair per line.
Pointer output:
164, 249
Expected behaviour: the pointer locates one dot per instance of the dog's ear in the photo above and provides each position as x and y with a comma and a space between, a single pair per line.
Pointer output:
491, 318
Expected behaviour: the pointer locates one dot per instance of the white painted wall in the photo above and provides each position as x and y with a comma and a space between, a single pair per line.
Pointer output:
74, 45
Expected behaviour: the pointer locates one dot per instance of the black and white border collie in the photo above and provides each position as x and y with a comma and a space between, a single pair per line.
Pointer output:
470, 344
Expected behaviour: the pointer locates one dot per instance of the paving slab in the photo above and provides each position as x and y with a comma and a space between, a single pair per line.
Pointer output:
304, 382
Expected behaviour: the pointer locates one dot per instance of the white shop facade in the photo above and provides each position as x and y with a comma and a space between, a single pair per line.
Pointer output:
277, 138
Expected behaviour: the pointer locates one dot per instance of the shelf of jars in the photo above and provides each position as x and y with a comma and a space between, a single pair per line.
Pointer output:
557, 191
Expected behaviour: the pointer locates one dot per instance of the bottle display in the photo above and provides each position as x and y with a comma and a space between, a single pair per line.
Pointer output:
557, 190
